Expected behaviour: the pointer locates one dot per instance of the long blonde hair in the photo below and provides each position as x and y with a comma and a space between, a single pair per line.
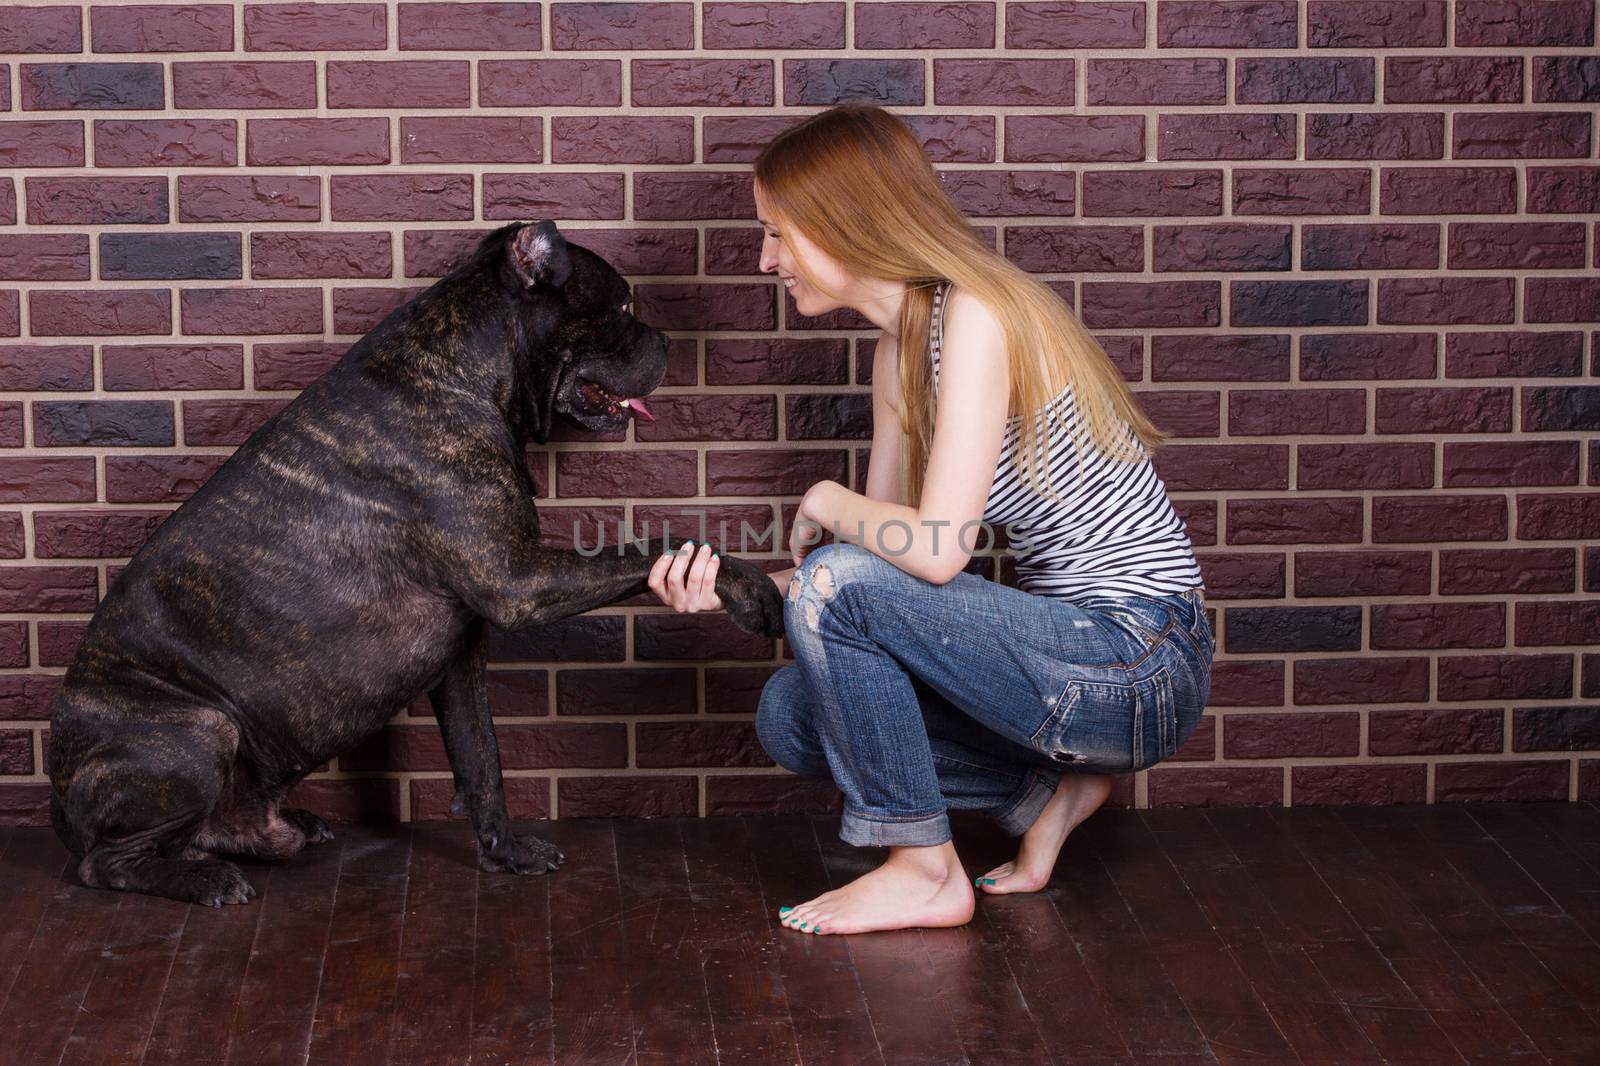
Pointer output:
855, 180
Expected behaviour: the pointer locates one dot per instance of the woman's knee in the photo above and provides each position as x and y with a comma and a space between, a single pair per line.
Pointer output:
783, 720
823, 575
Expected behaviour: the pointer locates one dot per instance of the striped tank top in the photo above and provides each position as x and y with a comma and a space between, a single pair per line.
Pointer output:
1115, 533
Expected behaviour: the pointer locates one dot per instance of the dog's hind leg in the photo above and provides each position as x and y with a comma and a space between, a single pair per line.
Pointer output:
461, 703
140, 800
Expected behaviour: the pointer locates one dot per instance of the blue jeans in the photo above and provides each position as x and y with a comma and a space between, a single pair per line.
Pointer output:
916, 697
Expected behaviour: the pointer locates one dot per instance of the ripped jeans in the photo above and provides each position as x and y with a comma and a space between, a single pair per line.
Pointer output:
916, 698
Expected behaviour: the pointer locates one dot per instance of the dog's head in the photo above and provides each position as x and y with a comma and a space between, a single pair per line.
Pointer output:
584, 353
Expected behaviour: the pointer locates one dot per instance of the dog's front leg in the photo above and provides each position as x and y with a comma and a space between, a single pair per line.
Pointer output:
461, 702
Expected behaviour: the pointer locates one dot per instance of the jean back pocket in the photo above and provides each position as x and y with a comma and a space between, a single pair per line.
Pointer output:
1109, 726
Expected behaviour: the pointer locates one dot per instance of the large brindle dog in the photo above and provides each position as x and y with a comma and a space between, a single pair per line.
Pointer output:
347, 558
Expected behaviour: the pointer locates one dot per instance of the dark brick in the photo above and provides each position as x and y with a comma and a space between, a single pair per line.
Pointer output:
93, 534
1438, 625
1252, 630
1076, 248
179, 367
1358, 24
1216, 786
1524, 23
1383, 246
1210, 467
113, 423
1471, 465
1243, 575
632, 797
1566, 78
1560, 408
1185, 414
1230, 247
1523, 135
1099, 138
1131, 304
772, 471
1222, 24
1558, 516
1513, 354
1373, 135
1301, 191
1420, 519
1226, 136
241, 311
886, 82
714, 744
594, 638
1475, 571
706, 307
999, 82
101, 86
1554, 622
1255, 412
776, 362
144, 256
1214, 357
1303, 80
1302, 520
1163, 192
734, 794
1239, 683
527, 798
1368, 679
1367, 355
1298, 303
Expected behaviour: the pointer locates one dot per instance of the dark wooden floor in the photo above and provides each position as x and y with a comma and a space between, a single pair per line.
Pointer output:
1413, 934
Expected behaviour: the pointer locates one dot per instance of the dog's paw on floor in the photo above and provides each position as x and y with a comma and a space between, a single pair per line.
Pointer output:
522, 855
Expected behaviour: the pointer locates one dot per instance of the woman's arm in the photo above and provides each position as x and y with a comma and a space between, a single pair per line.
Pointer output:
969, 426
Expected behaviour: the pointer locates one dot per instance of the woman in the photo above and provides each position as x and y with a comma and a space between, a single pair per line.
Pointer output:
919, 686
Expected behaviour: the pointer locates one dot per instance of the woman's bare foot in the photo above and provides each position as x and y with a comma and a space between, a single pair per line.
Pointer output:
918, 888
1077, 797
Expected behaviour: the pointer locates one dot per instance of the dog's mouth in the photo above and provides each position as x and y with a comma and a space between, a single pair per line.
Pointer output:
595, 400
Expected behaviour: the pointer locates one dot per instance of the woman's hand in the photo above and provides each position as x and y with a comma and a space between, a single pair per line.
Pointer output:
686, 580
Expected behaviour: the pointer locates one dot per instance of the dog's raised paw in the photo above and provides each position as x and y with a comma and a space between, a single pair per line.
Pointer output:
315, 829
522, 855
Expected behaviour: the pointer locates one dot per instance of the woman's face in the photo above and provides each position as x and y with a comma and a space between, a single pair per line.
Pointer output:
779, 249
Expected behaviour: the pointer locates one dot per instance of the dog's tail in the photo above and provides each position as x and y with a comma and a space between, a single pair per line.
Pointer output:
63, 827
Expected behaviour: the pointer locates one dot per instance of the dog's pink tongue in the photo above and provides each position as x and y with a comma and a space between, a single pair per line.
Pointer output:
639, 409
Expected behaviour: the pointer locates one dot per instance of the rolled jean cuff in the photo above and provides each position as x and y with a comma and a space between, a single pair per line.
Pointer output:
868, 832
1022, 811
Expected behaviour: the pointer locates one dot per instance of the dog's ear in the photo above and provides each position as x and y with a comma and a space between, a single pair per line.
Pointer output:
539, 255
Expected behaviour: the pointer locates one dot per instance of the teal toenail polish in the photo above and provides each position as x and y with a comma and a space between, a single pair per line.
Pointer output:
985, 880
785, 910
802, 925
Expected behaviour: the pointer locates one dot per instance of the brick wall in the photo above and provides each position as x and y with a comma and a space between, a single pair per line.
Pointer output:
1345, 249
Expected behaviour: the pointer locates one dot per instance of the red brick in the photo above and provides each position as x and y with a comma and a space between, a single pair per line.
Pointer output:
16, 751
1438, 625
13, 546
1524, 23
737, 794
693, 196
1467, 79
1417, 519
28, 698
398, 197
527, 798
1278, 412
41, 144
153, 28
1523, 135
550, 83
320, 255
224, 422
628, 691
1384, 246
925, 25
1223, 466
314, 27
237, 311
610, 474
356, 799
695, 637
1513, 354
1110, 138
1562, 300
776, 471
1472, 465
1551, 622
293, 365
47, 479
830, 81
1302, 520
632, 797
1229, 246
359, 310
403, 83
1515, 246
621, 25
254, 198
25, 804
1374, 135
108, 312
1508, 570
988, 82
470, 140
701, 82
1216, 786
93, 534
1477, 782
620, 139
1163, 192
546, 195
46, 28
1076, 248
706, 307
152, 477
1560, 190
1219, 357
1243, 575
1280, 736
1505, 677
1363, 785
475, 27
44, 257
1184, 414
1221, 24
1444, 301
1436, 731
1367, 679
1365, 466
1301, 191
1555, 728
48, 589
191, 142
1130, 304
1362, 573
1237, 683
1560, 408
96, 201
1075, 25
1350, 24
1558, 516
596, 638
316, 141
1447, 190
776, 362
711, 744
235, 86
787, 26
175, 367
1226, 136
